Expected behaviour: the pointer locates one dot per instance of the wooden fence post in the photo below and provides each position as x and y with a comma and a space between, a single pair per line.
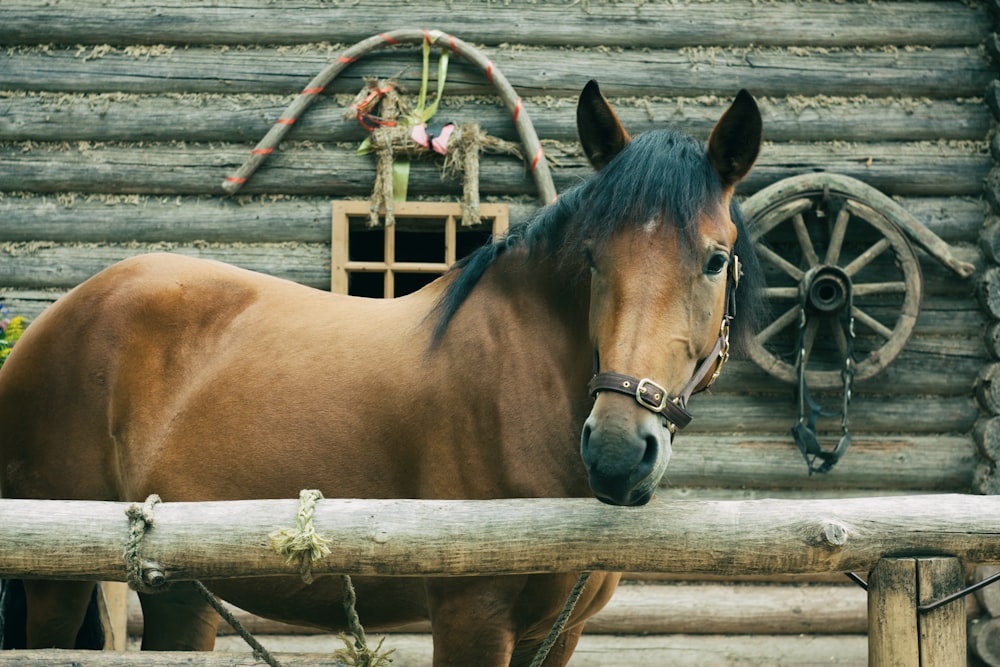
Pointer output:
942, 630
901, 636
892, 614
113, 602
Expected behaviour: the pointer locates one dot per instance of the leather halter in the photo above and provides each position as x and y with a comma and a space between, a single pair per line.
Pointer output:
653, 396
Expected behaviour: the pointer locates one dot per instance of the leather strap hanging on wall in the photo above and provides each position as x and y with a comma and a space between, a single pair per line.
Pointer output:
826, 292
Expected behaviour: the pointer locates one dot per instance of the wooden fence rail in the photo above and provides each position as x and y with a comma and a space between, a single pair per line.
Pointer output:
556, 23
73, 539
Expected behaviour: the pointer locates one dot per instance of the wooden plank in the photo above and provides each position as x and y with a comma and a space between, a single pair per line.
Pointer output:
892, 614
669, 608
650, 651
210, 540
113, 608
648, 24
733, 609
936, 363
771, 462
896, 169
42, 265
339, 251
72, 218
946, 72
415, 651
56, 117
890, 414
694, 608
942, 631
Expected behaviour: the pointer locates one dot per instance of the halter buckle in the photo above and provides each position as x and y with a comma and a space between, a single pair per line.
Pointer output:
651, 395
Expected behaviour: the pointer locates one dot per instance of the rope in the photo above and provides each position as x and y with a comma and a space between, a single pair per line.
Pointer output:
560, 624
140, 518
358, 653
526, 131
306, 545
259, 651
302, 542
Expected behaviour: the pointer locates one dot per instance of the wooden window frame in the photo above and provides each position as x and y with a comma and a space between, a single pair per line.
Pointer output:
448, 214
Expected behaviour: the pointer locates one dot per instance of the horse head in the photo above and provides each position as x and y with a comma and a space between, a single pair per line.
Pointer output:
664, 273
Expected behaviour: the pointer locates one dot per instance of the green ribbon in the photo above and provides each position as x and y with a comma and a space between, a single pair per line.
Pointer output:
420, 115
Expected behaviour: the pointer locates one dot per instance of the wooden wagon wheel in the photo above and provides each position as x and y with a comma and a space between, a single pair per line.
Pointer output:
819, 236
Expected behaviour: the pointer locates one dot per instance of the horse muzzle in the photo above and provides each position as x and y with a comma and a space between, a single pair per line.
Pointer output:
625, 449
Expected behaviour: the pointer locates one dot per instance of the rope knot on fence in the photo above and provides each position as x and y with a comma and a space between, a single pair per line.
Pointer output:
302, 542
149, 578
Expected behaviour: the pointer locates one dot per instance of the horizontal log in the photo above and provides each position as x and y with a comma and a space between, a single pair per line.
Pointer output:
925, 414
46, 264
986, 479
901, 463
915, 169
989, 239
986, 435
56, 117
233, 657
647, 24
988, 291
671, 608
946, 72
988, 388
42, 265
984, 641
733, 609
592, 651
72, 218
927, 365
209, 540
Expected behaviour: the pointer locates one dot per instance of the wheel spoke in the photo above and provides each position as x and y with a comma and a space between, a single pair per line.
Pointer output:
799, 223
871, 323
779, 262
776, 216
866, 258
837, 237
787, 318
868, 289
781, 293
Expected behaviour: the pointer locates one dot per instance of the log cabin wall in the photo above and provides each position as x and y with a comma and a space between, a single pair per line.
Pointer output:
119, 120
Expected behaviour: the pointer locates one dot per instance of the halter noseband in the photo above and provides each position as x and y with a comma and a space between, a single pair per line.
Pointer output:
653, 396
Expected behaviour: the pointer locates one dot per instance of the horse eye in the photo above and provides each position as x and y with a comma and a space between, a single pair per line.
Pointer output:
589, 256
717, 263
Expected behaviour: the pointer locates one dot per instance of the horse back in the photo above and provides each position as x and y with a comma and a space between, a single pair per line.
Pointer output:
192, 379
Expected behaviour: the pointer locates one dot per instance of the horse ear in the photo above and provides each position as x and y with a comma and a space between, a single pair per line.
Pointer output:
735, 140
601, 133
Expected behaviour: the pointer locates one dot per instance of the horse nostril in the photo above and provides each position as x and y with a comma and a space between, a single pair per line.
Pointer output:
652, 453
585, 442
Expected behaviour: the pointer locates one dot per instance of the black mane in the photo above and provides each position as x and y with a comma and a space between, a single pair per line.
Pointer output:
660, 175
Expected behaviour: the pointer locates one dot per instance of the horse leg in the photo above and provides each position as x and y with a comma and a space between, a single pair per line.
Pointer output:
559, 654
13, 614
55, 612
178, 619
472, 620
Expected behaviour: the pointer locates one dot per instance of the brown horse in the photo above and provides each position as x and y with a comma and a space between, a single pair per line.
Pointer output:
196, 380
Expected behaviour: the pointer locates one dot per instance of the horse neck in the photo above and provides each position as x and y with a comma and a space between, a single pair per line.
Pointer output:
528, 303
554, 303
517, 354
